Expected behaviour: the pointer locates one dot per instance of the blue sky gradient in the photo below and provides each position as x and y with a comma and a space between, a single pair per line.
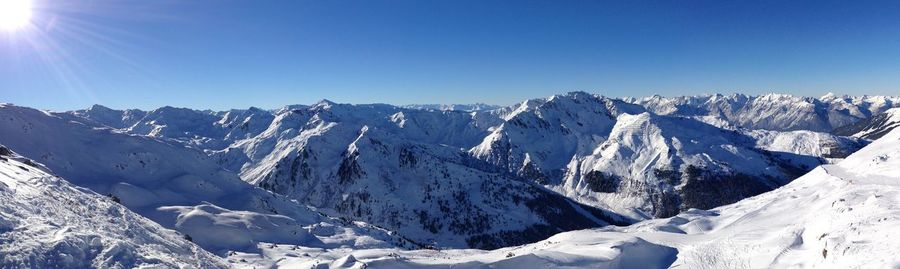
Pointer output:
234, 54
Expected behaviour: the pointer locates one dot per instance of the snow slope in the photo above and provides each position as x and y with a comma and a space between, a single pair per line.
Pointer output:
874, 127
843, 215
45, 222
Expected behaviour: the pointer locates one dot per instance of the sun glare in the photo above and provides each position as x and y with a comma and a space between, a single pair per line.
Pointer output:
14, 14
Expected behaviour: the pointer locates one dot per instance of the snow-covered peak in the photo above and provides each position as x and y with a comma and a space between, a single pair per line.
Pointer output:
780, 96
101, 115
100, 108
575, 95
657, 166
550, 132
323, 104
829, 97
289, 108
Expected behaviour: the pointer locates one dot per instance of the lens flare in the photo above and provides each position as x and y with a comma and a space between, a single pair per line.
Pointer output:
14, 14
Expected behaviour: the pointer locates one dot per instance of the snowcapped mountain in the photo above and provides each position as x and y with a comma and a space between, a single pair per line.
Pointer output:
257, 186
614, 155
177, 187
663, 165
428, 193
110, 117
184, 189
841, 215
778, 112
538, 137
397, 178
874, 127
405, 170
45, 222
201, 129
399, 168
241, 124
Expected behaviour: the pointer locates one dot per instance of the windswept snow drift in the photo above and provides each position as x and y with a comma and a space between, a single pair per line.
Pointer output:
45, 222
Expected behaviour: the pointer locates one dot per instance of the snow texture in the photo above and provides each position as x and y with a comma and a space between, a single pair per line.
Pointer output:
45, 222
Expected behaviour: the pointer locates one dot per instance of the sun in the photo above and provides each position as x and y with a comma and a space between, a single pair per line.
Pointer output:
14, 14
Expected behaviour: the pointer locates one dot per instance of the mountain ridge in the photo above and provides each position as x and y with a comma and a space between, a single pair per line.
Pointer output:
541, 140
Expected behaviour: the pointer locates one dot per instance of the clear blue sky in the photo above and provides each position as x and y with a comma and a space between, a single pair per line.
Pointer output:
232, 54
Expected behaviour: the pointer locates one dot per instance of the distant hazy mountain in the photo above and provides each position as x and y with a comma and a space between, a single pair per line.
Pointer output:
459, 107
778, 112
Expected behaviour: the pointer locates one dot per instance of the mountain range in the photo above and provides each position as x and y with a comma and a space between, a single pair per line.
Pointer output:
340, 178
